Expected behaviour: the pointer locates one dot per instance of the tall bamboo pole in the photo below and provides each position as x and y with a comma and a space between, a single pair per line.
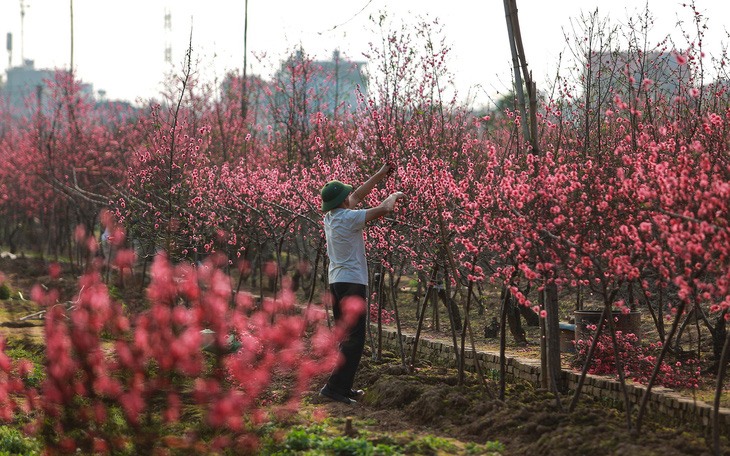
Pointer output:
516, 67
529, 83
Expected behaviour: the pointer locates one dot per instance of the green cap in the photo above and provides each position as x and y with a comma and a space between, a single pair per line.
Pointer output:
333, 194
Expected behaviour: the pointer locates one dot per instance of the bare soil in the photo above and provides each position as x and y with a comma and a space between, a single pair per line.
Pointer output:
529, 421
400, 405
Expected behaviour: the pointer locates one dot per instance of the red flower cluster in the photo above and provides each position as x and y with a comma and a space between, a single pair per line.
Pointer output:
99, 361
638, 361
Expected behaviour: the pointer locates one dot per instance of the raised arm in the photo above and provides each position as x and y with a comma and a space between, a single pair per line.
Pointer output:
383, 208
362, 191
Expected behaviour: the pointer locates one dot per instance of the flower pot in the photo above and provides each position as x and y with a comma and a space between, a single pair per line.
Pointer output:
567, 336
629, 323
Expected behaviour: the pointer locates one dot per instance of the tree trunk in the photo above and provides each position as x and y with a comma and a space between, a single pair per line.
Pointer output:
657, 366
718, 393
503, 343
452, 308
463, 333
434, 296
397, 321
544, 370
531, 318
617, 356
719, 340
552, 337
379, 284
513, 317
587, 363
454, 319
420, 320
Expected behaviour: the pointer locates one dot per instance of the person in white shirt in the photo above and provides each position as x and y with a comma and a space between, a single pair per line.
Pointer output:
348, 271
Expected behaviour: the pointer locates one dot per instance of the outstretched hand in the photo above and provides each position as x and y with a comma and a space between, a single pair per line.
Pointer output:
385, 207
390, 200
387, 169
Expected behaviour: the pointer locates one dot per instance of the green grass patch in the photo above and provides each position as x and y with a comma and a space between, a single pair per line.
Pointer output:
12, 442
326, 439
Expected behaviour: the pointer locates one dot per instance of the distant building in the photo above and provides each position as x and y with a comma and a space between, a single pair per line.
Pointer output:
330, 84
342, 80
26, 80
625, 73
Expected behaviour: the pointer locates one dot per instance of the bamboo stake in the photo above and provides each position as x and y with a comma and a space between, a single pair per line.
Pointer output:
657, 366
516, 66
718, 393
397, 322
503, 343
586, 364
463, 333
420, 320
529, 83
619, 364
543, 346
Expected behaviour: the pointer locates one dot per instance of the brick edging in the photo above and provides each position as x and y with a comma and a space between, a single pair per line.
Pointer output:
663, 401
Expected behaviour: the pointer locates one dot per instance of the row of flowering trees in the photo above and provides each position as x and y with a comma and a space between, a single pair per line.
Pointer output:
626, 197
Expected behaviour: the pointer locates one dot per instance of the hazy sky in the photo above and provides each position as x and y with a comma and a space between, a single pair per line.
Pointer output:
119, 46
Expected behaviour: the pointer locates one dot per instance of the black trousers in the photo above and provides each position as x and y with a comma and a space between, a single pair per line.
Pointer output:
352, 345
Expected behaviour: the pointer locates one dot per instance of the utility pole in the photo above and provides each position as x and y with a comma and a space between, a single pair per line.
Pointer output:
22, 32
9, 46
244, 88
72, 37
168, 32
